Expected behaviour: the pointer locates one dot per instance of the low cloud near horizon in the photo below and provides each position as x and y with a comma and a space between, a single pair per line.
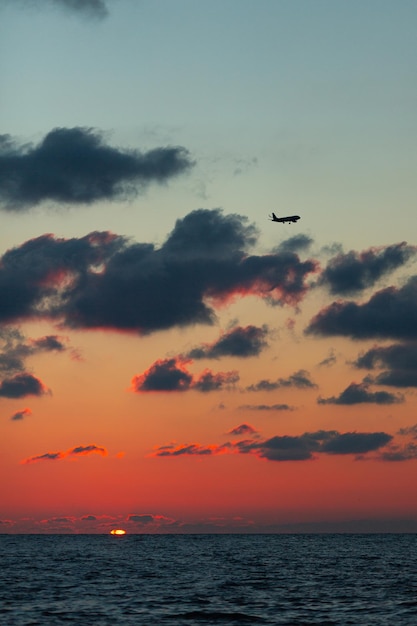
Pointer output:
287, 447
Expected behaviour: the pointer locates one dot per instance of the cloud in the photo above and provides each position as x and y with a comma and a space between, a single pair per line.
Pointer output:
209, 381
90, 8
172, 375
266, 407
355, 443
83, 450
163, 375
22, 385
353, 272
242, 429
141, 519
240, 342
20, 415
329, 360
94, 8
358, 393
398, 453
409, 430
62, 454
400, 359
15, 348
191, 449
104, 281
295, 244
151, 521
288, 448
299, 380
389, 313
48, 456
75, 165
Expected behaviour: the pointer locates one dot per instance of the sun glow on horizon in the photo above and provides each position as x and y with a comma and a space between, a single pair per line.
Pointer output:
117, 531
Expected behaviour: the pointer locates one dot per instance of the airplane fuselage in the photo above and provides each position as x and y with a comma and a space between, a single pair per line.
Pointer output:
289, 218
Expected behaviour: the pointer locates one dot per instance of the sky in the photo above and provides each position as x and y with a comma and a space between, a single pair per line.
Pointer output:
171, 361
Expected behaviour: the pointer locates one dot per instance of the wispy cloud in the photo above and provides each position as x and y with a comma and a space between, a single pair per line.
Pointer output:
299, 380
239, 342
359, 393
15, 348
89, 8
266, 407
20, 415
62, 454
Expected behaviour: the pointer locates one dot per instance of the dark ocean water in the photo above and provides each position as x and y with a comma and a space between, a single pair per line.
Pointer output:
208, 579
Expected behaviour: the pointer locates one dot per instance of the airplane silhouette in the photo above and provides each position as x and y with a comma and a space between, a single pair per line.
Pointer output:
289, 218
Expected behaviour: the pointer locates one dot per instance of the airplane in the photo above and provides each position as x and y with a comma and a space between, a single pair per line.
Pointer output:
289, 218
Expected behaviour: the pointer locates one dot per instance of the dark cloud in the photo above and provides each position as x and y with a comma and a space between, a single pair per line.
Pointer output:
390, 313
38, 277
399, 356
239, 342
242, 429
172, 375
189, 450
298, 243
400, 359
359, 393
89, 518
88, 450
353, 272
20, 415
289, 448
355, 443
266, 407
103, 281
299, 380
285, 448
396, 378
21, 385
75, 165
164, 375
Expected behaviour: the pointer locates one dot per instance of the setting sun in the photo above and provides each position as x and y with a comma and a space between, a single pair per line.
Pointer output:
117, 531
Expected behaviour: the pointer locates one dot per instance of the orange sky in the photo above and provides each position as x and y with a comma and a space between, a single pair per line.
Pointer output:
171, 360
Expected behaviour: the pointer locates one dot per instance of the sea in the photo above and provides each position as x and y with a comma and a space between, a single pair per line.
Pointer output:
190, 580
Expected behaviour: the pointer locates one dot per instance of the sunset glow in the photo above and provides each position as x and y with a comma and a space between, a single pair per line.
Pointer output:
172, 361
